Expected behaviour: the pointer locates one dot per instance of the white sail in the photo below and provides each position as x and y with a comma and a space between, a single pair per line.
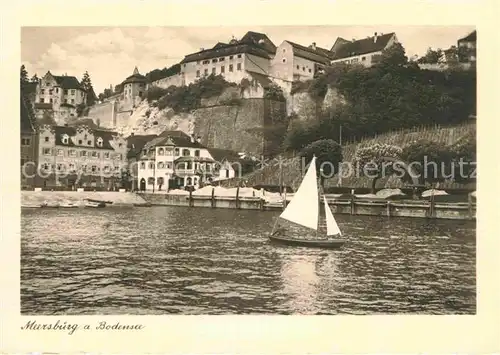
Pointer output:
303, 209
331, 225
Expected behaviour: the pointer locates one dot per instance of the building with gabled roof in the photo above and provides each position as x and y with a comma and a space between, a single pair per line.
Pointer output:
233, 60
80, 155
29, 152
363, 51
61, 94
469, 42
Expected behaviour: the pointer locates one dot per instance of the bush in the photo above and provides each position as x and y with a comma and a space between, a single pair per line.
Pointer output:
274, 92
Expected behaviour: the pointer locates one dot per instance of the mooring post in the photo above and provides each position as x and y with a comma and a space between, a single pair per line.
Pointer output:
190, 198
469, 203
212, 201
388, 208
238, 197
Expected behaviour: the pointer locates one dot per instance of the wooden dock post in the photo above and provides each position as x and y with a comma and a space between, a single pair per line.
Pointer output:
469, 204
352, 205
190, 198
238, 197
388, 208
212, 201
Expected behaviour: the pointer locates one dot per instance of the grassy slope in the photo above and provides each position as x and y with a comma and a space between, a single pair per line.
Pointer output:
269, 175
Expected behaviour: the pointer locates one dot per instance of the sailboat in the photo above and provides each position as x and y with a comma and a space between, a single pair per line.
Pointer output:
303, 210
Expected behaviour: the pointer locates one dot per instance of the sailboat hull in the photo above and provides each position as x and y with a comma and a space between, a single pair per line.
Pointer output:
311, 243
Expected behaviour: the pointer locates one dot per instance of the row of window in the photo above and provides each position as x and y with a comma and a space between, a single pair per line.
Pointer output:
353, 60
180, 166
65, 140
83, 153
222, 70
303, 68
72, 91
42, 100
215, 60
176, 152
72, 168
25, 142
161, 181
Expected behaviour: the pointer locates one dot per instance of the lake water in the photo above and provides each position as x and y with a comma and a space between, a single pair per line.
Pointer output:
164, 260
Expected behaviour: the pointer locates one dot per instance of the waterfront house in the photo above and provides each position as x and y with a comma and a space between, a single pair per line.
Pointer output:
80, 155
135, 144
228, 164
60, 94
28, 144
364, 51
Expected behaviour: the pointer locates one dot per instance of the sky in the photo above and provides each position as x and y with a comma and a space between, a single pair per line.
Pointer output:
110, 54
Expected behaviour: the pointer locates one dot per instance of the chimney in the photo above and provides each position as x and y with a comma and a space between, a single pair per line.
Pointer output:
375, 37
313, 46
198, 139
132, 134
192, 138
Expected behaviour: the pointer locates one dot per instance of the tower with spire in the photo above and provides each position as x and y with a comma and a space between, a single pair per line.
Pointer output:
134, 87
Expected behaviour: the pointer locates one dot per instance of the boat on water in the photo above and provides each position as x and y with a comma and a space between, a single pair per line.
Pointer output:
68, 205
303, 210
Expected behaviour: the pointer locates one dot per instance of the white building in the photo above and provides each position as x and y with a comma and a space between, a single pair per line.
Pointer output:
363, 51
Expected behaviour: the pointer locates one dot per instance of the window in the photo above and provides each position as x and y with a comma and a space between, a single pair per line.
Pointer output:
95, 155
363, 58
42, 100
197, 153
42, 91
72, 101
80, 142
106, 168
143, 165
45, 166
206, 61
176, 151
239, 55
304, 68
168, 165
195, 180
47, 151
222, 69
83, 153
197, 73
71, 167
189, 165
50, 92
94, 168
60, 152
238, 66
184, 65
206, 72
230, 67
151, 165
284, 50
57, 90
214, 71
59, 167
120, 145
160, 165
221, 59
106, 155
99, 142
214, 60
284, 60
151, 181
118, 156
230, 57
65, 91
65, 101
84, 167
65, 139
161, 151
72, 92
72, 153
89, 142
188, 181
25, 141
310, 70
185, 152
50, 100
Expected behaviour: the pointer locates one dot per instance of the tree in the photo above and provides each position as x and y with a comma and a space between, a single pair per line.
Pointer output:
377, 161
24, 75
328, 156
431, 56
34, 79
86, 81
395, 55
429, 160
464, 158
274, 92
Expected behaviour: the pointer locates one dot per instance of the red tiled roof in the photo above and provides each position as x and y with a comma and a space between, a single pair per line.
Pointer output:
362, 46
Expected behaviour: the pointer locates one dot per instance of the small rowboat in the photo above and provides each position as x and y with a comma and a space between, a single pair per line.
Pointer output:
94, 204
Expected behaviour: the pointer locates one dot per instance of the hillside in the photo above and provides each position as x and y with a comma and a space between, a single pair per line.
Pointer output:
270, 174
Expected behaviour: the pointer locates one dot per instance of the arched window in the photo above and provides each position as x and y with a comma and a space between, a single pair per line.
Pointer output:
188, 181
185, 152
99, 142
197, 153
176, 151
151, 165
65, 139
161, 151
160, 165
160, 180
143, 165
195, 180
151, 181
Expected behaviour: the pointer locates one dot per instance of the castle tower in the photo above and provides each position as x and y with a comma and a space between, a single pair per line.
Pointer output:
134, 86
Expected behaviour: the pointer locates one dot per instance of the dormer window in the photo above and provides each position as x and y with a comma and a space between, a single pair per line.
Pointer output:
99, 142
65, 139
